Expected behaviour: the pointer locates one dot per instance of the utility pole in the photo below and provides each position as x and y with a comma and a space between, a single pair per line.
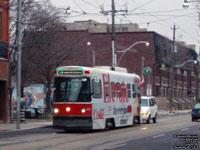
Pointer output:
172, 69
113, 11
93, 58
113, 35
19, 51
197, 78
142, 70
197, 81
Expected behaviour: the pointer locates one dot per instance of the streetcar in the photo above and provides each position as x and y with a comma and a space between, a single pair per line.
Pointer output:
94, 97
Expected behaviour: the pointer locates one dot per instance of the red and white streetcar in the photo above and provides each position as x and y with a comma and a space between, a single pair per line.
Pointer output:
95, 97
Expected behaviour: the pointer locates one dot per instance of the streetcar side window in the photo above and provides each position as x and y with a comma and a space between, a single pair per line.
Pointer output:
96, 88
118, 90
133, 91
129, 90
113, 87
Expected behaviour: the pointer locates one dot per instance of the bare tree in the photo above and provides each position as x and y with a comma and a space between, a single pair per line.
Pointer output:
40, 22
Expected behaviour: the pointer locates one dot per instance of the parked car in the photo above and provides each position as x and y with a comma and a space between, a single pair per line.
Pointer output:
148, 109
196, 112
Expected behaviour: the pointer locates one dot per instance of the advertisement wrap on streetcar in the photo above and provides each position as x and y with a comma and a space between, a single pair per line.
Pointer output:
95, 97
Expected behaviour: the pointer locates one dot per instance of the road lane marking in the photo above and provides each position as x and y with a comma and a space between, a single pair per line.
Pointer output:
185, 129
159, 136
115, 146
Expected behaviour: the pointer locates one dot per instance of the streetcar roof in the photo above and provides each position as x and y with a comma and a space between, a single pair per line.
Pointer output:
102, 69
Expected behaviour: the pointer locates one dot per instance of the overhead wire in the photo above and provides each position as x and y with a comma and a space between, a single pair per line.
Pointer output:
163, 11
169, 18
89, 3
78, 6
188, 33
147, 3
142, 14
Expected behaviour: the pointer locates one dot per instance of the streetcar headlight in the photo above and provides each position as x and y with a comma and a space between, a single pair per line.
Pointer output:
68, 109
56, 110
83, 110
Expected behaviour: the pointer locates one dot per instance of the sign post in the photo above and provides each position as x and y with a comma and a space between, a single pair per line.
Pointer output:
147, 71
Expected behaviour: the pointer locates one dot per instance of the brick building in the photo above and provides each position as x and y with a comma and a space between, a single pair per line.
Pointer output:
4, 40
157, 56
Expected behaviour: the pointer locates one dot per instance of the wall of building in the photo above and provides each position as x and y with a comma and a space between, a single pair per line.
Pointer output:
96, 27
4, 64
157, 56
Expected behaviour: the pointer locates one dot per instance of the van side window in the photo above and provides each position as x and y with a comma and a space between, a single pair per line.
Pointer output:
96, 88
152, 102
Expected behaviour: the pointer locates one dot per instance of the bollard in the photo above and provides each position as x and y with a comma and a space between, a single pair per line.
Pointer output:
173, 110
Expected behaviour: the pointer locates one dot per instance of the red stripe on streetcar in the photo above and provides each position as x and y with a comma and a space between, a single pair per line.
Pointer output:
73, 109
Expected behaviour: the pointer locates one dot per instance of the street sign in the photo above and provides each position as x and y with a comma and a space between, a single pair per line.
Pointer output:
147, 70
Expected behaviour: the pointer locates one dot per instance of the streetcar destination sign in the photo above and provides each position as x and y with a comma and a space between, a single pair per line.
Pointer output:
70, 72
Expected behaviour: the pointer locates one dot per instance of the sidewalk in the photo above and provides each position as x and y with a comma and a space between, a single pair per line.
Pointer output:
38, 123
167, 112
28, 124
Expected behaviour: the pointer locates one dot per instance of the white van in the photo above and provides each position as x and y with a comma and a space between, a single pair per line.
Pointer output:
148, 109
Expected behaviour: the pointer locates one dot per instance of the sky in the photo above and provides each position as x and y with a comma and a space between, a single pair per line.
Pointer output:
155, 15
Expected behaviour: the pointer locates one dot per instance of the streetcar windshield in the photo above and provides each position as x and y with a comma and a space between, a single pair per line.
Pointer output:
72, 90
144, 102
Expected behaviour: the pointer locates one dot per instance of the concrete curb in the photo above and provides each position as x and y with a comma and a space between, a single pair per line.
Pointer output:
164, 112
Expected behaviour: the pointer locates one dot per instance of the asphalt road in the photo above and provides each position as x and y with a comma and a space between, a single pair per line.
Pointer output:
164, 135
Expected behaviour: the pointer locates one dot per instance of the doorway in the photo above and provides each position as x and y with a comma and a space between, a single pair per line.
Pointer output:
2, 100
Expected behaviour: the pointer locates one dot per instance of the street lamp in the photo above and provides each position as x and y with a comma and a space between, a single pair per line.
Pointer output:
185, 4
93, 55
128, 49
181, 65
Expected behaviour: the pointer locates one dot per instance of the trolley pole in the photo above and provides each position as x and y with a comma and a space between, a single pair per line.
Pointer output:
19, 51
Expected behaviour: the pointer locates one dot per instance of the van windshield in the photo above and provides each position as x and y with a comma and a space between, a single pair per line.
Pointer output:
72, 89
144, 102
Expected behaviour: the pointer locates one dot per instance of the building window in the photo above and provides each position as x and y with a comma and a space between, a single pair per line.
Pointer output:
124, 29
157, 90
0, 25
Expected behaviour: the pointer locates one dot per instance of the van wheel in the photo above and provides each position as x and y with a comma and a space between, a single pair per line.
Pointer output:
139, 122
148, 120
155, 119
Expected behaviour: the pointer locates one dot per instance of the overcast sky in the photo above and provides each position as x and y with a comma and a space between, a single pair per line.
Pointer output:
155, 15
